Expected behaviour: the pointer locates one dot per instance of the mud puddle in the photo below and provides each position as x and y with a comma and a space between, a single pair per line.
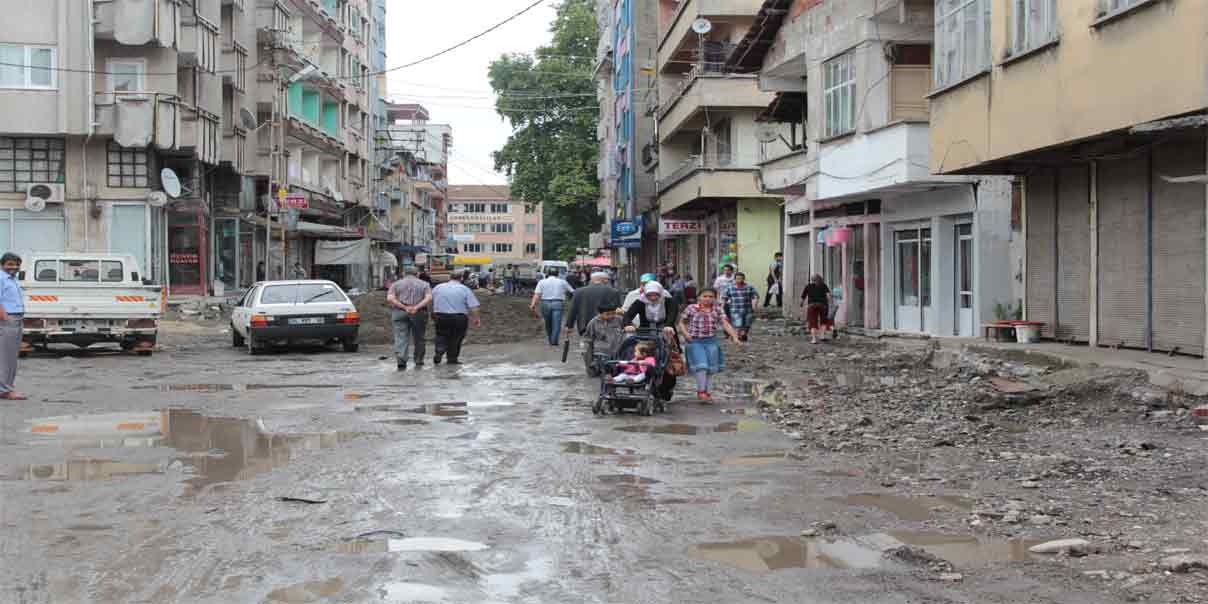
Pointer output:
216, 388
582, 448
914, 509
443, 409
623, 480
766, 554
746, 425
759, 459
401, 422
407, 544
208, 449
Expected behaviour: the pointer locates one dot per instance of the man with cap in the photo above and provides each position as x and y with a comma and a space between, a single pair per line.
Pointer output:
586, 301
408, 298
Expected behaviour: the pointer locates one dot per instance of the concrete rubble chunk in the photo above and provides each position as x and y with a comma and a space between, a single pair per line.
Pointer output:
1060, 545
1184, 563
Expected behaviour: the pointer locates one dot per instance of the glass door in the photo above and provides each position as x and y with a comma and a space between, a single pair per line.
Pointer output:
913, 287
964, 280
226, 253
855, 265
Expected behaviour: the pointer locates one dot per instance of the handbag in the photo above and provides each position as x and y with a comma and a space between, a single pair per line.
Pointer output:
676, 365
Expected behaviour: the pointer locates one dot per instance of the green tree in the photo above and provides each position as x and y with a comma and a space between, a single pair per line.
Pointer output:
548, 98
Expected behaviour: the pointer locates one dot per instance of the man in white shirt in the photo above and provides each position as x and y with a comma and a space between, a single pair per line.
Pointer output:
724, 281
552, 293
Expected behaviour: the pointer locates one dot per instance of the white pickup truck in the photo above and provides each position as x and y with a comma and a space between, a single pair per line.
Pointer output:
87, 298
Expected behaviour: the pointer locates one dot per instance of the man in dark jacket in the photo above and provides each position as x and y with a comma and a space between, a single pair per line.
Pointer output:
587, 300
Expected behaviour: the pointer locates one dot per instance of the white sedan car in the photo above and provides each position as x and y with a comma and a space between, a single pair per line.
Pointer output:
283, 312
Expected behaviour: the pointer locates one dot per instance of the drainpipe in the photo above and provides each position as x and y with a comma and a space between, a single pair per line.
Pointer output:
89, 116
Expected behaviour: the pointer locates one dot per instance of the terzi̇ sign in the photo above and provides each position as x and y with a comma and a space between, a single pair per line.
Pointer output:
674, 228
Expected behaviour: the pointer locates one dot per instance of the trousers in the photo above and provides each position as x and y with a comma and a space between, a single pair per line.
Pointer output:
10, 350
450, 332
409, 328
551, 310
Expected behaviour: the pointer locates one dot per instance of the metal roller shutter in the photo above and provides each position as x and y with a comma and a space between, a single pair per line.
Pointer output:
1073, 254
1123, 249
801, 247
1041, 214
1178, 250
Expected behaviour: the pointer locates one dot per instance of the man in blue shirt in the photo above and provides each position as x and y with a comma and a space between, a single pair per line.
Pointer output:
12, 312
454, 309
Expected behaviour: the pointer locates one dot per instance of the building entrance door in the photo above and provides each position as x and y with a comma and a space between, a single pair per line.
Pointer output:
913, 268
964, 280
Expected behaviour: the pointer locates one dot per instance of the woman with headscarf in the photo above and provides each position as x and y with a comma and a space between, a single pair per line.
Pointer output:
656, 309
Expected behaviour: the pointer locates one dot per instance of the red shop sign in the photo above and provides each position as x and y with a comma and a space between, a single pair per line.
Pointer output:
184, 259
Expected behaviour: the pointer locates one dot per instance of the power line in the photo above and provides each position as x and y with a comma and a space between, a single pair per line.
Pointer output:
467, 40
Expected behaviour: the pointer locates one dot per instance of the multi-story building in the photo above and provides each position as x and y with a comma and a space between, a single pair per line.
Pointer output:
1099, 106
903, 249
484, 220
707, 145
125, 126
628, 94
426, 145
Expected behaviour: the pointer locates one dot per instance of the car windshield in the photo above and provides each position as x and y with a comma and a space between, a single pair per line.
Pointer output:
279, 294
319, 292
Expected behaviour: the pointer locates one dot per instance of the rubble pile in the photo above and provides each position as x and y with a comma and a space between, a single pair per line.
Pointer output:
504, 319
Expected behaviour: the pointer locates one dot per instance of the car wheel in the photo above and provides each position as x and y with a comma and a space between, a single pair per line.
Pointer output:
350, 345
253, 347
144, 353
22, 354
236, 339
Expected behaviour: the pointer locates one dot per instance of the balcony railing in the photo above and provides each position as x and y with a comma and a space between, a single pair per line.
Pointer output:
199, 43
138, 119
137, 22
234, 66
699, 70
710, 161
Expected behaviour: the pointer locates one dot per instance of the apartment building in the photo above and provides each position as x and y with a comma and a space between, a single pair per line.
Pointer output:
170, 129
707, 151
628, 94
485, 221
414, 139
1099, 106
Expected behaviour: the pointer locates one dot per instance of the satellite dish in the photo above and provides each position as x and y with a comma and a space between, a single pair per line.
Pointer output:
702, 26
766, 132
157, 199
248, 118
170, 182
35, 204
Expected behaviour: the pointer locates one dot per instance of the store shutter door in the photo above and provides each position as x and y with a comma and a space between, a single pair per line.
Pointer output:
39, 231
1073, 254
1178, 251
802, 245
1041, 212
1123, 247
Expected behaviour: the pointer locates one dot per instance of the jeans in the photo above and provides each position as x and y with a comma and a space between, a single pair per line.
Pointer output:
551, 310
450, 332
406, 328
509, 286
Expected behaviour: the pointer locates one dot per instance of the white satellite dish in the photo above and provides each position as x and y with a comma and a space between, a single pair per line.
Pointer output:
157, 199
702, 26
170, 182
766, 132
248, 118
35, 204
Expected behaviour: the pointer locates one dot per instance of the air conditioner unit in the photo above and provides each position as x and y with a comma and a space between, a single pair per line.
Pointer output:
47, 192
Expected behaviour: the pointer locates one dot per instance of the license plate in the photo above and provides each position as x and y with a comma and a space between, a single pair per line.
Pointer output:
307, 321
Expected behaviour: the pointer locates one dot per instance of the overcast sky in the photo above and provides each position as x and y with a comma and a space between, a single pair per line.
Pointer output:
454, 87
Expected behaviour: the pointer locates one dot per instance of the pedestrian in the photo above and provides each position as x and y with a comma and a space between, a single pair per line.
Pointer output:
602, 338
12, 313
775, 283
677, 290
633, 295
425, 277
260, 271
656, 310
297, 272
409, 298
724, 281
689, 290
612, 276
698, 326
454, 309
741, 301
509, 279
586, 300
552, 293
816, 300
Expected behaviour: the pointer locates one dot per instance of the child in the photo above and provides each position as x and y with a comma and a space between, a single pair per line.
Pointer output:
635, 370
602, 337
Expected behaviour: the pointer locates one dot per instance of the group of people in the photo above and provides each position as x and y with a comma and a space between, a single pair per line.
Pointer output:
451, 306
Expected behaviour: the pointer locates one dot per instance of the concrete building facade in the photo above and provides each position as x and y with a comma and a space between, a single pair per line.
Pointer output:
485, 221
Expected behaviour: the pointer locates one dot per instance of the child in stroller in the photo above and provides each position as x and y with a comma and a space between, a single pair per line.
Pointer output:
632, 378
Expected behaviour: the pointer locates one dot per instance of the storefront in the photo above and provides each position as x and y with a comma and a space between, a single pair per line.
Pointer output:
33, 231
138, 229
234, 253
188, 252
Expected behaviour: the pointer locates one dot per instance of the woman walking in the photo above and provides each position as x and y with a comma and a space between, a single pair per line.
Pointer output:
698, 325
816, 299
656, 309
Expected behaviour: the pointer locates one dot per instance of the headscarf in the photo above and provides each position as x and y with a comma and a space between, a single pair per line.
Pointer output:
647, 278
656, 312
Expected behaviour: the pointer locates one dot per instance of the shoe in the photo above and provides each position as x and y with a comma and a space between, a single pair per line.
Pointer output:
402, 365
419, 362
436, 360
704, 397
813, 340
454, 362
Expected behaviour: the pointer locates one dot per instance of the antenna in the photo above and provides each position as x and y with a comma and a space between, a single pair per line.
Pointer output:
170, 182
248, 118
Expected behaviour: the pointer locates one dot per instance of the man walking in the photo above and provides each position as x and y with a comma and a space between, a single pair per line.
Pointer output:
509, 279
724, 280
408, 298
585, 304
775, 283
454, 309
552, 292
12, 312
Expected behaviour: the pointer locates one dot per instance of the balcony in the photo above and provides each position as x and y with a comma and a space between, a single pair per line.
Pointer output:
701, 178
199, 43
909, 86
890, 159
685, 110
138, 119
787, 173
199, 134
730, 19
234, 66
137, 22
234, 149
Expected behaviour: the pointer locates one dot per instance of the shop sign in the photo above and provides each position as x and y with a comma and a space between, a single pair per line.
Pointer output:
675, 228
626, 233
296, 202
184, 259
462, 237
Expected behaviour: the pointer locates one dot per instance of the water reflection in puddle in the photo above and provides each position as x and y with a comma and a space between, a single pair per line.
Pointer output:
766, 554
915, 509
215, 388
402, 422
210, 450
852, 380
626, 480
582, 448
443, 409
414, 592
409, 544
757, 459
744, 425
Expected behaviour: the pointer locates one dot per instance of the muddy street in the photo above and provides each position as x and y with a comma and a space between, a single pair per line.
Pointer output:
210, 476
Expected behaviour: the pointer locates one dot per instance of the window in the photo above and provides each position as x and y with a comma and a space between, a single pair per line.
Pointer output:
80, 270
472, 247
319, 292
27, 66
472, 227
126, 167
1035, 23
474, 208
962, 40
46, 270
279, 294
839, 94
500, 208
529, 208
530, 228
530, 248
111, 271
29, 160
501, 227
126, 75
1118, 5
503, 248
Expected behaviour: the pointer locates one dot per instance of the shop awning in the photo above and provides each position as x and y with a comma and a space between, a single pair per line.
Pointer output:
342, 252
327, 231
472, 260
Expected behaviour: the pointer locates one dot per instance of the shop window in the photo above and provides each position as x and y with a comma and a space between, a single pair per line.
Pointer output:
126, 167
24, 161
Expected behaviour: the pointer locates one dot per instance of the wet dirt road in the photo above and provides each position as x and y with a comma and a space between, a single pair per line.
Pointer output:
205, 475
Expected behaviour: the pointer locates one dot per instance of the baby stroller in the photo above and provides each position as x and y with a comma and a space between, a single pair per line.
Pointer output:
640, 397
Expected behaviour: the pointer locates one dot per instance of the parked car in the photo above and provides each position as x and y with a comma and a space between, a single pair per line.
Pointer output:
285, 312
84, 298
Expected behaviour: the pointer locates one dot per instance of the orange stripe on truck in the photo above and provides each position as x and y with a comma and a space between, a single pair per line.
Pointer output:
44, 298
44, 429
130, 299
132, 426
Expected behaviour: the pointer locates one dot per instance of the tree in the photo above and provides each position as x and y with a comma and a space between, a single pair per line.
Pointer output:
548, 98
